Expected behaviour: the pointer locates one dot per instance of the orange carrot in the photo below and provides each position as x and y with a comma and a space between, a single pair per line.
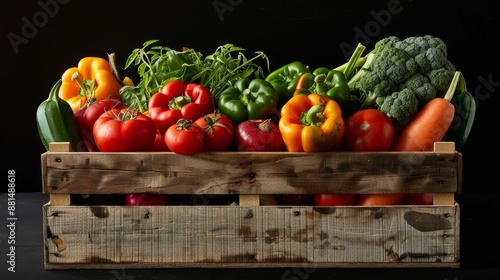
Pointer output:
430, 124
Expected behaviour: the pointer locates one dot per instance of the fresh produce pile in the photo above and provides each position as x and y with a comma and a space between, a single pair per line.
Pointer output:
403, 95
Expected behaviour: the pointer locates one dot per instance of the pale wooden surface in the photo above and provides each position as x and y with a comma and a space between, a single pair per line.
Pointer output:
59, 198
445, 198
237, 236
249, 200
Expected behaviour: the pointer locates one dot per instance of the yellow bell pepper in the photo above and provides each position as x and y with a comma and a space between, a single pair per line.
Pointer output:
311, 123
93, 79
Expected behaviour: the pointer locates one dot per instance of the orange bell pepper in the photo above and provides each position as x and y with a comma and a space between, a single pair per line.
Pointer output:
311, 123
93, 79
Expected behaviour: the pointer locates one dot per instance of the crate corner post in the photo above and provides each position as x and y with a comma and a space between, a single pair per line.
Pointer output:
56, 198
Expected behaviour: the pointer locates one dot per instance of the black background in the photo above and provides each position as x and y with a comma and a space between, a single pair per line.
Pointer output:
310, 31
57, 34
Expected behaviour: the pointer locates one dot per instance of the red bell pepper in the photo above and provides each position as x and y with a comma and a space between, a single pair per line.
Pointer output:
179, 100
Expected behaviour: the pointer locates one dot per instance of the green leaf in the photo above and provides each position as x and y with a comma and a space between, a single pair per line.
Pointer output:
132, 57
148, 43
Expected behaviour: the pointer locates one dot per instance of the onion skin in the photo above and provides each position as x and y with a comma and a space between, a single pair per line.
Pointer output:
259, 136
141, 199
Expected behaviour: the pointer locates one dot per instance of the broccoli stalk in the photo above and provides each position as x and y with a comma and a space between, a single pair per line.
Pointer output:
448, 96
365, 67
367, 99
348, 69
354, 62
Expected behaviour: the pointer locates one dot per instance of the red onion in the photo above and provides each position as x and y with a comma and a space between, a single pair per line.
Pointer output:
141, 199
259, 136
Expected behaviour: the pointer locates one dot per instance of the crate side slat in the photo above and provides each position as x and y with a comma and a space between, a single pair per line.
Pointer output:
235, 236
251, 173
44, 170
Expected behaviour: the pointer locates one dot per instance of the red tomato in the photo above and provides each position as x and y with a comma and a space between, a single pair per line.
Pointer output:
418, 199
379, 199
159, 144
268, 199
86, 116
219, 132
185, 138
368, 130
124, 130
334, 199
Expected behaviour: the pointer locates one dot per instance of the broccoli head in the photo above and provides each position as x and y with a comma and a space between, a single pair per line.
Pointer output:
421, 85
400, 106
414, 70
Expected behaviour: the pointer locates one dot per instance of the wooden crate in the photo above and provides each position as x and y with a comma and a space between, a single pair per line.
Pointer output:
249, 235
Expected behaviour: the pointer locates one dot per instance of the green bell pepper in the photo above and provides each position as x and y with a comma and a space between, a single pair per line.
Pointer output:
334, 85
329, 83
306, 83
248, 100
285, 78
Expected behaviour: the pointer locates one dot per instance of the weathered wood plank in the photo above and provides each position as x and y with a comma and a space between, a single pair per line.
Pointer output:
249, 200
232, 236
250, 173
60, 199
311, 266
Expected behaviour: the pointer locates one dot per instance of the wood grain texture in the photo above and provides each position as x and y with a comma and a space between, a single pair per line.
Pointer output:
250, 173
238, 236
245, 236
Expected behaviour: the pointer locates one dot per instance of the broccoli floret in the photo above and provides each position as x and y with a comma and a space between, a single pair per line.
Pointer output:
431, 59
385, 87
440, 78
412, 45
435, 42
423, 64
381, 74
385, 43
430, 53
400, 105
421, 85
394, 64
369, 81
390, 67
419, 44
